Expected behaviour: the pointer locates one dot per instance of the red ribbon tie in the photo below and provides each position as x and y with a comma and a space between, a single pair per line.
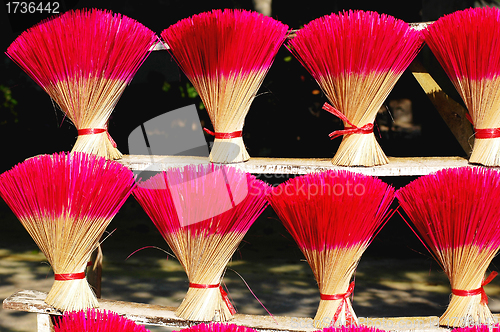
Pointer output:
223, 293
487, 133
95, 131
69, 276
366, 129
480, 290
483, 133
349, 317
234, 134
228, 303
203, 286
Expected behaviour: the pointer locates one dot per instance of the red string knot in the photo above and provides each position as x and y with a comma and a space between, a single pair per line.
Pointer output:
344, 296
223, 293
366, 129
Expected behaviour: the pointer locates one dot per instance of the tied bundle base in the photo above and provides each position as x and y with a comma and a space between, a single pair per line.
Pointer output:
473, 309
335, 268
464, 311
360, 150
325, 316
486, 152
98, 144
204, 305
72, 295
227, 151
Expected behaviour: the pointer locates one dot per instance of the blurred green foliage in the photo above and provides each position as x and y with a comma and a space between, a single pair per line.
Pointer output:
8, 114
187, 90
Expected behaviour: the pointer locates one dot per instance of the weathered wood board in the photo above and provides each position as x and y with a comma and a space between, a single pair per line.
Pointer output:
414, 166
148, 314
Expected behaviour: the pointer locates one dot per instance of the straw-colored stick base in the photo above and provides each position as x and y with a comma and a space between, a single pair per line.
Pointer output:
325, 315
204, 257
227, 151
359, 150
482, 99
466, 267
88, 103
98, 144
466, 311
333, 270
486, 152
204, 305
71, 295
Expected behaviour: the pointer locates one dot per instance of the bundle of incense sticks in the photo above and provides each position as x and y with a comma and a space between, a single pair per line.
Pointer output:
333, 216
466, 45
95, 321
65, 202
455, 213
84, 59
226, 54
203, 212
356, 57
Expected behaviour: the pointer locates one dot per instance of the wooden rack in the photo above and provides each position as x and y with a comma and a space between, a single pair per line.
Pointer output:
452, 113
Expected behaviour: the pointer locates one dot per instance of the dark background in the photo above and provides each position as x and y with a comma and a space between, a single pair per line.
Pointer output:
285, 120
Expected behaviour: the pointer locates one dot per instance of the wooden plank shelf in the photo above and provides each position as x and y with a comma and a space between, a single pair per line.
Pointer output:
148, 314
414, 166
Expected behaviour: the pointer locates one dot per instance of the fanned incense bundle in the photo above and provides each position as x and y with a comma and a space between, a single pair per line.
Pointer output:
84, 59
455, 213
356, 57
226, 55
65, 202
95, 321
203, 212
466, 45
333, 216
217, 327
